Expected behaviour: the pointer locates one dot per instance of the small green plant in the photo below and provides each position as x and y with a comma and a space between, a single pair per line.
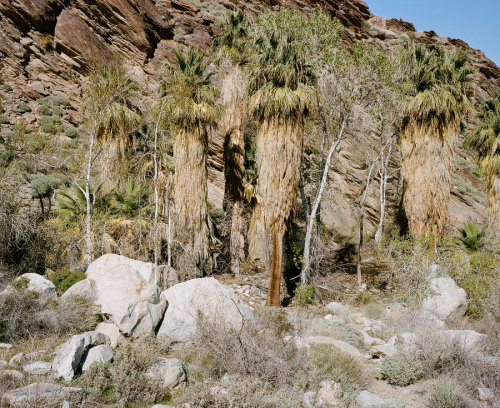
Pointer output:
347, 333
7, 87
478, 291
304, 293
24, 107
446, 393
70, 132
64, 278
4, 120
364, 297
59, 100
20, 284
402, 369
472, 235
47, 124
57, 110
45, 110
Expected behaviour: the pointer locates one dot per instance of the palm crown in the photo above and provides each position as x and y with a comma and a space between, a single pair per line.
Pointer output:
233, 39
440, 85
192, 95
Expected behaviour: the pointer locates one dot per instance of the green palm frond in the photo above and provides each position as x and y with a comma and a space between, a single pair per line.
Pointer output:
72, 204
233, 39
118, 120
193, 96
131, 199
472, 235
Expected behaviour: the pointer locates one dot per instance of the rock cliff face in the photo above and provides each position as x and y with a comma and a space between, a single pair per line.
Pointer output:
46, 47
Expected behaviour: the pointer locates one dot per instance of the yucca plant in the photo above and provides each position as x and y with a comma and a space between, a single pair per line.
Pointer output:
72, 204
232, 57
472, 235
132, 198
192, 110
282, 95
439, 83
486, 140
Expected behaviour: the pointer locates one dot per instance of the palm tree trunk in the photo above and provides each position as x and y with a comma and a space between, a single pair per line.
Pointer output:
190, 200
494, 202
279, 149
233, 94
426, 167
273, 295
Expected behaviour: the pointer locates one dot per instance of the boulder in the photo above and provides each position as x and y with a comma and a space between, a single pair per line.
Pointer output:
469, 340
112, 331
39, 284
383, 350
41, 394
37, 368
12, 374
81, 288
337, 308
340, 344
168, 370
3, 364
70, 356
447, 298
485, 394
406, 342
98, 354
126, 290
206, 298
367, 399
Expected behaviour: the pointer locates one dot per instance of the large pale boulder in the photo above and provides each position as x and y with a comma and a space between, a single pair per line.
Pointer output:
206, 298
112, 331
70, 356
168, 370
367, 399
126, 290
98, 354
37, 368
447, 298
81, 288
41, 394
469, 340
38, 284
339, 344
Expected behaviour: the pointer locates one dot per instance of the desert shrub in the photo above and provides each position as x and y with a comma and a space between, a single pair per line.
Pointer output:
57, 111
447, 393
45, 110
124, 381
364, 297
60, 100
472, 235
47, 124
4, 120
373, 310
7, 87
347, 333
70, 132
46, 41
64, 278
27, 314
304, 294
24, 107
402, 369
478, 290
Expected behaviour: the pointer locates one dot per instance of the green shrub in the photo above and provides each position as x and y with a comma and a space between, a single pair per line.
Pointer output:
45, 110
47, 124
64, 278
304, 294
347, 333
472, 235
402, 369
59, 100
71, 132
7, 88
57, 111
20, 284
483, 262
478, 291
24, 108
446, 393
4, 120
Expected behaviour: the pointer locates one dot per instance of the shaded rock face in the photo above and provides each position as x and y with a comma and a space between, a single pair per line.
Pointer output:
52, 45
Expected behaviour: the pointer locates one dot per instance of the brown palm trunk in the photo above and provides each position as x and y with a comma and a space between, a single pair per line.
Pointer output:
233, 126
426, 166
279, 148
273, 295
494, 202
190, 200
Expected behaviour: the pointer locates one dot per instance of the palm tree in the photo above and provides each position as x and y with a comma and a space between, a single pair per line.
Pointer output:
232, 48
439, 83
192, 109
282, 93
486, 139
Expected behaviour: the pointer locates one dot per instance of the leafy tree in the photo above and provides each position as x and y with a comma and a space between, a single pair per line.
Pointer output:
439, 85
192, 110
486, 140
43, 187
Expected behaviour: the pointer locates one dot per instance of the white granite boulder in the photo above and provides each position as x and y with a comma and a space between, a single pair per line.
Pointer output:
447, 298
168, 370
98, 354
38, 284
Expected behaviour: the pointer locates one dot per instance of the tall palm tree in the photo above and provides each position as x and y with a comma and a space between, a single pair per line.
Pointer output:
282, 93
232, 46
192, 110
439, 83
486, 139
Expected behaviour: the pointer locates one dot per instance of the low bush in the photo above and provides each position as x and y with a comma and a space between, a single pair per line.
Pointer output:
304, 294
24, 107
402, 369
7, 87
447, 393
60, 100
64, 278
472, 235
4, 120
47, 124
70, 132
45, 110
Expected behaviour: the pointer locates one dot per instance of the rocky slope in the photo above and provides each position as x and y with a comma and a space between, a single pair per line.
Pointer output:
46, 47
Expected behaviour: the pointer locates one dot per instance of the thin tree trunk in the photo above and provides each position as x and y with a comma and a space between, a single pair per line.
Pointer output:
190, 199
384, 175
169, 233
273, 295
494, 203
312, 217
88, 219
361, 221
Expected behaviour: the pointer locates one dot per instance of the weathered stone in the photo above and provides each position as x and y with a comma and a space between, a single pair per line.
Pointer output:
367, 399
406, 342
112, 331
37, 368
448, 299
485, 394
204, 298
81, 288
69, 356
40, 394
13, 374
469, 340
98, 354
39, 284
3, 364
341, 345
337, 308
383, 350
168, 370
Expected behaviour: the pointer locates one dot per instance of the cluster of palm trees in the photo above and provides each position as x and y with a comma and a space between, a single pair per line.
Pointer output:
265, 75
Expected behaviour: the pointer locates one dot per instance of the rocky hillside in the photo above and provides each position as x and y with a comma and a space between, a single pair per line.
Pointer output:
47, 45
